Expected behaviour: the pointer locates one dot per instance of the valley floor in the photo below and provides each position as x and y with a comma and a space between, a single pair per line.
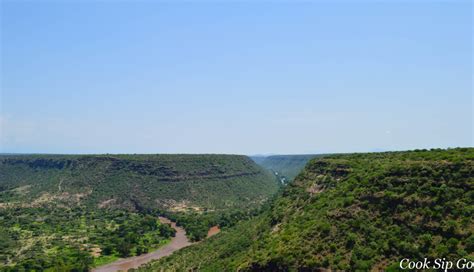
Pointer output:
179, 241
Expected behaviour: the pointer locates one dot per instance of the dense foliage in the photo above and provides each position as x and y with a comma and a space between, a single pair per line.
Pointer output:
354, 212
197, 224
58, 211
67, 239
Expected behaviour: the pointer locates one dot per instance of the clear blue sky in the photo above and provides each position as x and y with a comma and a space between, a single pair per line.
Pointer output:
242, 77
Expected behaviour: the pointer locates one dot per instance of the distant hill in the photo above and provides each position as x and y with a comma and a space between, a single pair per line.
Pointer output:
258, 159
287, 167
354, 212
134, 182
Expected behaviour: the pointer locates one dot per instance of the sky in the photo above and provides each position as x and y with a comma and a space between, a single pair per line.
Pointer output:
235, 77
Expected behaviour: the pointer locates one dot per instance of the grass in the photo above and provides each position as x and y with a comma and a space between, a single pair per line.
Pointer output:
103, 260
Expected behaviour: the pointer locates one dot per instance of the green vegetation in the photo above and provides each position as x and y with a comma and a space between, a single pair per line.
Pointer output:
197, 225
58, 211
136, 182
67, 239
285, 167
354, 212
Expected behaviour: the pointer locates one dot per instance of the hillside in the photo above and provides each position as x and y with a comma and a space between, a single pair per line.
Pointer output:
286, 167
134, 182
61, 210
354, 212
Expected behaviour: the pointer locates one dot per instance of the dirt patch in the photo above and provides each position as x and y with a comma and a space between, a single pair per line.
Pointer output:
95, 251
107, 203
179, 206
44, 198
315, 189
22, 189
276, 228
5, 205
213, 231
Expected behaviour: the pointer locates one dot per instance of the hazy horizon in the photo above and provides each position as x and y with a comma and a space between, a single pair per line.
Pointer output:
235, 78
249, 155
